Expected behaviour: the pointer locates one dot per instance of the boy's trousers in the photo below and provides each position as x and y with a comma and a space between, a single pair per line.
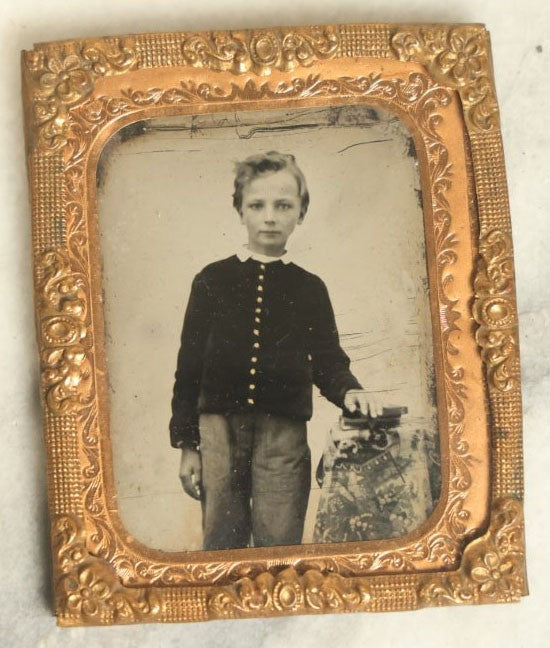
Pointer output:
256, 472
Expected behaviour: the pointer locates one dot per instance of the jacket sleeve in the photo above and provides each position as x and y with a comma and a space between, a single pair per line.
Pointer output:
184, 424
331, 372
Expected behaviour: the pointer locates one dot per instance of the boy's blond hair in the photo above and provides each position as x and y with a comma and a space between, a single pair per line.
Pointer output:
257, 165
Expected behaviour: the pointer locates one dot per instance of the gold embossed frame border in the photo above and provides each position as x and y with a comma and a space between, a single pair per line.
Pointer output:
437, 79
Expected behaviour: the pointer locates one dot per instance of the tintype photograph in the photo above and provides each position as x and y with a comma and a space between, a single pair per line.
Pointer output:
277, 327
268, 329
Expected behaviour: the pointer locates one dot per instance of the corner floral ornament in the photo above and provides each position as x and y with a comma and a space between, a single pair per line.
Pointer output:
459, 59
462, 60
88, 590
67, 80
492, 574
86, 593
492, 569
65, 76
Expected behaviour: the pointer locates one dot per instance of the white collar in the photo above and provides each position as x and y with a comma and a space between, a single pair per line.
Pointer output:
244, 254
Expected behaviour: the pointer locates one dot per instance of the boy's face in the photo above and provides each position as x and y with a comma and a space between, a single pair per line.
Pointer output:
271, 209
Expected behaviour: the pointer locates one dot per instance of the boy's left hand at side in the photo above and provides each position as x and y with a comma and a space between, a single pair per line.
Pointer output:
191, 472
357, 400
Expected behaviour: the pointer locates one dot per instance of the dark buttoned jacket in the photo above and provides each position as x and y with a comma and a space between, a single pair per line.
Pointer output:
256, 336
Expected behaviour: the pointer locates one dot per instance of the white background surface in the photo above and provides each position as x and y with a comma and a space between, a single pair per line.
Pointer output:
523, 86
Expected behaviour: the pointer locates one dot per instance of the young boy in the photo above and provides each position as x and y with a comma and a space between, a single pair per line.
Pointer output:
259, 331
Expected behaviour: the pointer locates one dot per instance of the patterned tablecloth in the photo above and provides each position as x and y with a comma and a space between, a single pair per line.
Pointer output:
371, 493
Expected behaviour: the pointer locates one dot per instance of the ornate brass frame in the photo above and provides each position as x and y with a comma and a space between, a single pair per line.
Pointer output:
438, 79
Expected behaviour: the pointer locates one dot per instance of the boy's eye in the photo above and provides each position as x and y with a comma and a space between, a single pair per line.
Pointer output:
255, 205
284, 206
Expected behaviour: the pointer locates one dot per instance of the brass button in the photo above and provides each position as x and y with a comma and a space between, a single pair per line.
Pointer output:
256, 332
261, 277
259, 299
252, 371
262, 266
254, 359
260, 288
258, 310
257, 320
252, 387
256, 345
250, 401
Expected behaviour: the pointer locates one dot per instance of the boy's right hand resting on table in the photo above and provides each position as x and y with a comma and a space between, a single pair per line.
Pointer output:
191, 472
362, 401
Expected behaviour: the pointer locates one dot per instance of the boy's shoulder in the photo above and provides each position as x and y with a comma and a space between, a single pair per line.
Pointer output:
220, 266
305, 275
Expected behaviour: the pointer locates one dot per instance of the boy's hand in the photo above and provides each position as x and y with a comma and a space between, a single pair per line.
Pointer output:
191, 472
366, 403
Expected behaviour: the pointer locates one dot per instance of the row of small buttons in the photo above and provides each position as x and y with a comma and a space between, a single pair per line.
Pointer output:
256, 332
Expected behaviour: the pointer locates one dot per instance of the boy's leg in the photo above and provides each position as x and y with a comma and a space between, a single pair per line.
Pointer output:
281, 478
226, 452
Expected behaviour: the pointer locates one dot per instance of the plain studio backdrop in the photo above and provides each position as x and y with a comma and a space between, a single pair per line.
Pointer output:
165, 211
